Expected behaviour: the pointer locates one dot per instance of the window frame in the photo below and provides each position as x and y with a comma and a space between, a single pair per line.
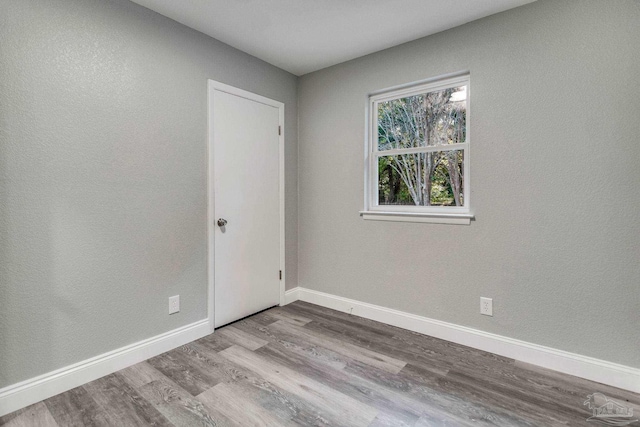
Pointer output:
443, 214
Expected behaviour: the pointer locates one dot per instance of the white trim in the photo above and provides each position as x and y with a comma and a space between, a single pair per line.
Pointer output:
602, 371
36, 389
434, 218
210, 211
282, 207
461, 146
292, 295
371, 202
433, 83
217, 86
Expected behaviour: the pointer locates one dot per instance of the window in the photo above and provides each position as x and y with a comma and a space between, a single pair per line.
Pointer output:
418, 153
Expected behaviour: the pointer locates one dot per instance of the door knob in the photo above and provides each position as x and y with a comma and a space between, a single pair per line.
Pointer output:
222, 222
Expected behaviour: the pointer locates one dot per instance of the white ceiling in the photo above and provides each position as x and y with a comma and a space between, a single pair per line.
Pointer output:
301, 36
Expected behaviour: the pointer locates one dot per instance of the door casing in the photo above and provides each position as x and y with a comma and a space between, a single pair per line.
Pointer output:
214, 86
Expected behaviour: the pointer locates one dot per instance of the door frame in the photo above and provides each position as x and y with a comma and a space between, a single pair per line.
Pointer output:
212, 87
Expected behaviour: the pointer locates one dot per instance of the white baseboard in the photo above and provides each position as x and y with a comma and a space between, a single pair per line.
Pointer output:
27, 392
292, 295
590, 368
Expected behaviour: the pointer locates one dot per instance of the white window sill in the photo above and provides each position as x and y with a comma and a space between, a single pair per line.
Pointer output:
434, 218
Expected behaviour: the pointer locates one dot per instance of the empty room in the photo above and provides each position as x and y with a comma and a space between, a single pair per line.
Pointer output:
319, 213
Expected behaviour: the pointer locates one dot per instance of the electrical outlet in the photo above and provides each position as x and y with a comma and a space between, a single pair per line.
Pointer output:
174, 304
486, 306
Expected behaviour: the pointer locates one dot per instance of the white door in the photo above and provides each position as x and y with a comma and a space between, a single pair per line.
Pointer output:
246, 193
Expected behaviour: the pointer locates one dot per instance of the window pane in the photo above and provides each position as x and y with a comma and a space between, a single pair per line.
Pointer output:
434, 118
422, 179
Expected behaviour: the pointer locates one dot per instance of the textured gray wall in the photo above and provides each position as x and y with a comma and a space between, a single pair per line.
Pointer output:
103, 166
555, 128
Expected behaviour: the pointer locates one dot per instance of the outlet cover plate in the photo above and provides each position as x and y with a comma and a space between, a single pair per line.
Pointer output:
486, 306
174, 304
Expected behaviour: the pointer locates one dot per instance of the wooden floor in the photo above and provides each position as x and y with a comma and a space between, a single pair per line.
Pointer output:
306, 365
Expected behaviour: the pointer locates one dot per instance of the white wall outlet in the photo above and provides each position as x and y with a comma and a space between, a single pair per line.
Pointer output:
174, 304
486, 306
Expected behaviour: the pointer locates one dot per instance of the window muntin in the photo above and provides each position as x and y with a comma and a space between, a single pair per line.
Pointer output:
419, 148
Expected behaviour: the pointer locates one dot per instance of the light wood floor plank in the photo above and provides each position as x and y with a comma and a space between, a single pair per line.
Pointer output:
336, 404
278, 313
404, 411
347, 349
140, 374
257, 390
179, 407
229, 399
76, 408
171, 400
295, 344
241, 338
36, 415
190, 372
122, 404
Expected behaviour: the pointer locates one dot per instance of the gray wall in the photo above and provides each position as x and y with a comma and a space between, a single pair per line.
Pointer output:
103, 171
555, 125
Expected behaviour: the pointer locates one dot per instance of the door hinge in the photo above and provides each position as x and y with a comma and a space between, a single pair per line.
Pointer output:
279, 130
280, 274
